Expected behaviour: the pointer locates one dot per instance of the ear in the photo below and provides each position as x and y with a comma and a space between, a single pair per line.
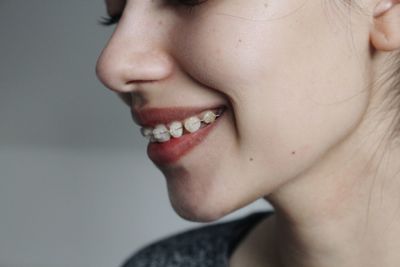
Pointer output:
385, 31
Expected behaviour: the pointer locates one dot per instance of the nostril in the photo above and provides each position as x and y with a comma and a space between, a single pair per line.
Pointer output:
144, 67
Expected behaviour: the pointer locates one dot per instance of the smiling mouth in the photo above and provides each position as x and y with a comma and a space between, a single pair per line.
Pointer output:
176, 129
168, 150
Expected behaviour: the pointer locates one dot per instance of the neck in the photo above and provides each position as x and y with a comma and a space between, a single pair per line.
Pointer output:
344, 212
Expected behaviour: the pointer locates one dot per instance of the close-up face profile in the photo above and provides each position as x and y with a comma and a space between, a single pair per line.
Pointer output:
288, 84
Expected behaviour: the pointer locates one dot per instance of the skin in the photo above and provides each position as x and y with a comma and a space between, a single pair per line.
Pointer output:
304, 129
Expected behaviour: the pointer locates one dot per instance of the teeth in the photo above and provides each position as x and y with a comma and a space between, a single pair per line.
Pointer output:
176, 129
153, 139
208, 117
146, 132
192, 124
161, 133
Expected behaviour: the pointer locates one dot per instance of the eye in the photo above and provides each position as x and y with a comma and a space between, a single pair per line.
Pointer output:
189, 5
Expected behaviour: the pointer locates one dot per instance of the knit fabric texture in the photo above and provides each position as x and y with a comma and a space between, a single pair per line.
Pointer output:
206, 246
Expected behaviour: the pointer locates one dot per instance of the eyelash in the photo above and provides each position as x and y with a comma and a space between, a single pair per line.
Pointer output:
189, 5
109, 20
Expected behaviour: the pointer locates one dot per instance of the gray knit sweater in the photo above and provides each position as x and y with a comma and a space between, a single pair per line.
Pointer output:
206, 246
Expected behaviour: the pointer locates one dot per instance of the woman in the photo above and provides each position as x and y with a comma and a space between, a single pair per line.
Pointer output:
293, 101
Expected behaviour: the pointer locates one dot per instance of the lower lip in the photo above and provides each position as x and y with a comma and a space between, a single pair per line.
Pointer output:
174, 149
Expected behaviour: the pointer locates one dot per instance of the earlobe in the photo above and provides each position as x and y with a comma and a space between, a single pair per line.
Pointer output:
385, 31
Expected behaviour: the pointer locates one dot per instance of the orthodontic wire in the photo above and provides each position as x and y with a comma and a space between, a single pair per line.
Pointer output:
216, 116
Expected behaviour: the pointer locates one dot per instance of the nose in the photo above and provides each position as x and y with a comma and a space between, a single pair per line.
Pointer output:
134, 54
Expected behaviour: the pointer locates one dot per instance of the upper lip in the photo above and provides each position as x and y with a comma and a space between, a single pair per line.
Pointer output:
150, 117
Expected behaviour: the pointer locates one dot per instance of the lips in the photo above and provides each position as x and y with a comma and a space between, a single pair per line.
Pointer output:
164, 154
150, 117
167, 153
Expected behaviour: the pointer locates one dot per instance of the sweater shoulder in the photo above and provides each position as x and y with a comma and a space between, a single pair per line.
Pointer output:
197, 247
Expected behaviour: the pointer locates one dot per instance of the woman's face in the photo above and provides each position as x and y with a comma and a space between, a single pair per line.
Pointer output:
291, 72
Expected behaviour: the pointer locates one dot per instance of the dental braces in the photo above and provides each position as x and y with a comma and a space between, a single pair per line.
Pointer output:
216, 116
150, 135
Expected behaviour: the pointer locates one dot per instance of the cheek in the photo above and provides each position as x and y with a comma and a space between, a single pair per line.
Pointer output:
224, 58
293, 97
232, 44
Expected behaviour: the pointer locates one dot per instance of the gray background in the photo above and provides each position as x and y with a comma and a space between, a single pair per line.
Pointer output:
76, 187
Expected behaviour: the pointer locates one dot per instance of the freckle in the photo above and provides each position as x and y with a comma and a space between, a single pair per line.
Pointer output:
293, 152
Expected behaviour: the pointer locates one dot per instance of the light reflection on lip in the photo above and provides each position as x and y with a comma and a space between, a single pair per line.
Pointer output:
150, 117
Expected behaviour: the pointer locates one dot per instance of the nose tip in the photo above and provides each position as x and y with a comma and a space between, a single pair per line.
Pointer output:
121, 69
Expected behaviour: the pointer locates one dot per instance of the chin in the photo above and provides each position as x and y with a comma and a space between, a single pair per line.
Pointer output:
197, 211
204, 196
194, 196
206, 206
196, 200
